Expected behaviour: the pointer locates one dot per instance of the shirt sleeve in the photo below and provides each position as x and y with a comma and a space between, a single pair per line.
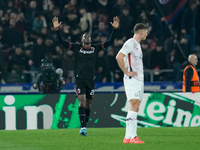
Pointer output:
110, 40
126, 48
62, 41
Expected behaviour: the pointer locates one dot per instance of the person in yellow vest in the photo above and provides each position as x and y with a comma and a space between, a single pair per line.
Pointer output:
190, 75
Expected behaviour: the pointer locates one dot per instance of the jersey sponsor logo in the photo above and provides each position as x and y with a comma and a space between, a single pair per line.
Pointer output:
92, 92
87, 51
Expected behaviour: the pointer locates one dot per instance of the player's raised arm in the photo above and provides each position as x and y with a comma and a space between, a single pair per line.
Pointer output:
115, 25
56, 26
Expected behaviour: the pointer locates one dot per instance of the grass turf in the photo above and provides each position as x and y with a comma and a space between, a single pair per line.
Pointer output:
100, 139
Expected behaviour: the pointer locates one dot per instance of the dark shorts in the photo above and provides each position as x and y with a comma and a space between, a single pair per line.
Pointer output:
85, 86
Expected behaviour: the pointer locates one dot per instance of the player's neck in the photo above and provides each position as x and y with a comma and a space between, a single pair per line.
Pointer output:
86, 47
137, 38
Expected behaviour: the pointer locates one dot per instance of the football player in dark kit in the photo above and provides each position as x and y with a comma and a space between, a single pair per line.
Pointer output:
85, 58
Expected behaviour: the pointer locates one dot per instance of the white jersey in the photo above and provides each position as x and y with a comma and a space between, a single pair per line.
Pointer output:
133, 58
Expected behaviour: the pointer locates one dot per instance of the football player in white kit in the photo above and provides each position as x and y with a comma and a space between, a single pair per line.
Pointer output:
129, 59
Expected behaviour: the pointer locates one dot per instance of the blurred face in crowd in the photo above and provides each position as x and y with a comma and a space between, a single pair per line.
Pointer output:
125, 12
21, 15
56, 12
44, 31
73, 2
13, 15
10, 3
12, 23
159, 48
82, 11
1, 30
33, 4
144, 46
183, 40
120, 2
71, 16
1, 13
94, 16
102, 26
194, 5
48, 42
39, 41
18, 51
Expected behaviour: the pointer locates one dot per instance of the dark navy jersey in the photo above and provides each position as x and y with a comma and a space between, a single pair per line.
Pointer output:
85, 59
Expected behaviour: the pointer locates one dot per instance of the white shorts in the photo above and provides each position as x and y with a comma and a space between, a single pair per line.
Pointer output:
134, 89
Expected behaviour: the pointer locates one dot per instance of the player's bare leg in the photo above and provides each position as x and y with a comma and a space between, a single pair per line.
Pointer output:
131, 123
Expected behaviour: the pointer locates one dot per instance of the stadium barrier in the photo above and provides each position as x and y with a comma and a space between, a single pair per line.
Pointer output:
99, 88
53, 111
148, 74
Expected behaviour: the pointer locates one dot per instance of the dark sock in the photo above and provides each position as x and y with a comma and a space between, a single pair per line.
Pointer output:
81, 112
87, 113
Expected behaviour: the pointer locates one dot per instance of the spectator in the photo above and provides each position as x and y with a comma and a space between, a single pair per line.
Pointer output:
21, 23
30, 13
37, 54
39, 22
11, 36
117, 7
1, 64
126, 21
180, 54
44, 32
19, 28
188, 24
158, 62
102, 30
17, 67
68, 66
57, 56
104, 5
85, 20
146, 58
71, 6
101, 67
114, 73
72, 19
95, 21
75, 33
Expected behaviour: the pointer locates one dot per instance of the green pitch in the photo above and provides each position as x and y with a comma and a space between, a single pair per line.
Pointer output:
100, 139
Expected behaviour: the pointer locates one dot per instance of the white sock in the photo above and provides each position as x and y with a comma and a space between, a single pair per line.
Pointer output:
128, 129
133, 123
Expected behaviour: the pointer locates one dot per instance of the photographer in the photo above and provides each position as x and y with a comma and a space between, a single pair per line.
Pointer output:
49, 79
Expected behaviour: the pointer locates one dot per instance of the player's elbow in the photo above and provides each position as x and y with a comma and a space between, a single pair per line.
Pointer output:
119, 57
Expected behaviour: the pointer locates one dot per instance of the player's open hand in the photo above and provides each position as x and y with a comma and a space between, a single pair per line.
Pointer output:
115, 22
56, 24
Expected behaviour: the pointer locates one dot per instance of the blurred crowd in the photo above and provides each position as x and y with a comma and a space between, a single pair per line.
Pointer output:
27, 36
